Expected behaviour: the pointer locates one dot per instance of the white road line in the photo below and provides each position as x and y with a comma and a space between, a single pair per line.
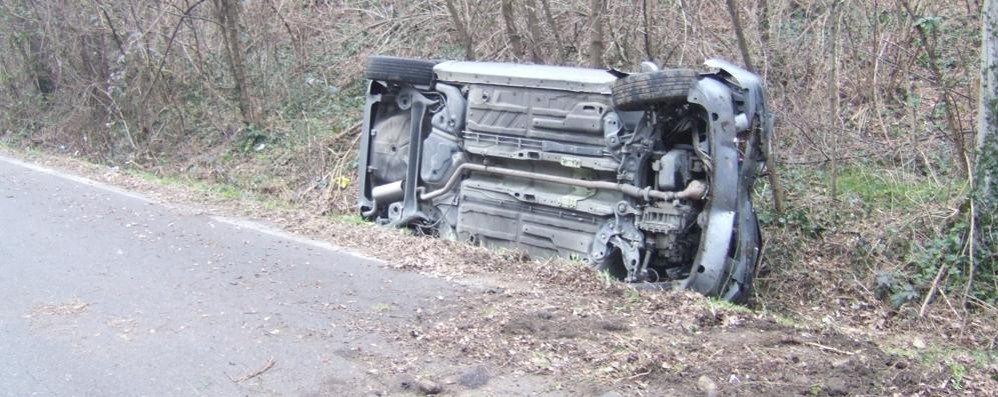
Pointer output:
77, 179
237, 222
275, 232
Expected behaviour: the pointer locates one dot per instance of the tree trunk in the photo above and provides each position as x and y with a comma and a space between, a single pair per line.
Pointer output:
986, 164
958, 146
596, 46
774, 177
534, 28
834, 104
742, 44
462, 31
227, 12
549, 16
987, 120
983, 236
515, 42
647, 10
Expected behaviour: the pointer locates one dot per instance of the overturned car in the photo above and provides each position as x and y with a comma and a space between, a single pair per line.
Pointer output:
647, 176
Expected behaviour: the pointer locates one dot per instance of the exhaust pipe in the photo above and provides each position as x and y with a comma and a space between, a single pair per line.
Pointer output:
387, 193
694, 191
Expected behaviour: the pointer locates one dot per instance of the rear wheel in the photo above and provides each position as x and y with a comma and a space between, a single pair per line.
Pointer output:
399, 70
637, 91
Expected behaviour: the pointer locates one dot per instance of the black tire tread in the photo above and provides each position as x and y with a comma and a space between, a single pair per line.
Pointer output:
399, 70
638, 91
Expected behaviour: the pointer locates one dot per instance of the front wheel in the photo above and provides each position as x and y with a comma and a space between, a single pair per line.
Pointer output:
399, 70
638, 91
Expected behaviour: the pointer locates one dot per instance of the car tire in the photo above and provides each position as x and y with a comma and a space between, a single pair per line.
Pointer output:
638, 91
399, 70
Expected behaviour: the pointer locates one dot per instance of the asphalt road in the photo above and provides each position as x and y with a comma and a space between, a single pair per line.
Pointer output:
106, 293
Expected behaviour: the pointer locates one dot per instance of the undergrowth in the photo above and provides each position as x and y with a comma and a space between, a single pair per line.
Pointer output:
889, 230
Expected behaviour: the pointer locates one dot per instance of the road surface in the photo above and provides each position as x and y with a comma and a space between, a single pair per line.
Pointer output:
107, 293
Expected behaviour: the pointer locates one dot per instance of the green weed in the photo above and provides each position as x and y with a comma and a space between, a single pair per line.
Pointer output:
351, 219
875, 189
715, 303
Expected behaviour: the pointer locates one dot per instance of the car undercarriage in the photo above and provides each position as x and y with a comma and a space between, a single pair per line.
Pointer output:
647, 176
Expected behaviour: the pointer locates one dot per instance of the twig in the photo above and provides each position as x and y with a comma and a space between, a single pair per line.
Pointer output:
818, 345
632, 377
114, 32
949, 304
876, 93
984, 305
355, 127
932, 290
270, 364
829, 348
970, 237
169, 44
836, 122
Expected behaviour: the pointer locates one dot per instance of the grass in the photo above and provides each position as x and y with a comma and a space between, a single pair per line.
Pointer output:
882, 220
891, 189
958, 362
350, 219
788, 321
223, 191
631, 296
715, 303
220, 190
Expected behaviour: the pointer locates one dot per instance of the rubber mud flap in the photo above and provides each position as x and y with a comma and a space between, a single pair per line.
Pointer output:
638, 91
399, 70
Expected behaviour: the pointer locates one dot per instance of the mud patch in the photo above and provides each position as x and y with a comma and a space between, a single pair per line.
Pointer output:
760, 357
553, 324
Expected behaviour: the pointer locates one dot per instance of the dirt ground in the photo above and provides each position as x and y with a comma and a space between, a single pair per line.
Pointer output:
559, 321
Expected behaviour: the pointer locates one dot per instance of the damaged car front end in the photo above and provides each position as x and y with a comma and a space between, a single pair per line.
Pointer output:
647, 176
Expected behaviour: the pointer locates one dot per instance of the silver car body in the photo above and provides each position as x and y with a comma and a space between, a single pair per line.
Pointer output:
538, 158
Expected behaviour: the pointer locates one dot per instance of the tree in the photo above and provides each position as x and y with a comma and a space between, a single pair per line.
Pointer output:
534, 28
984, 203
928, 33
596, 31
227, 13
742, 44
988, 110
774, 177
549, 17
462, 31
515, 41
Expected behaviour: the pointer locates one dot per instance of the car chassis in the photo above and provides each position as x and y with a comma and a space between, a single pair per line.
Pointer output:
647, 176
